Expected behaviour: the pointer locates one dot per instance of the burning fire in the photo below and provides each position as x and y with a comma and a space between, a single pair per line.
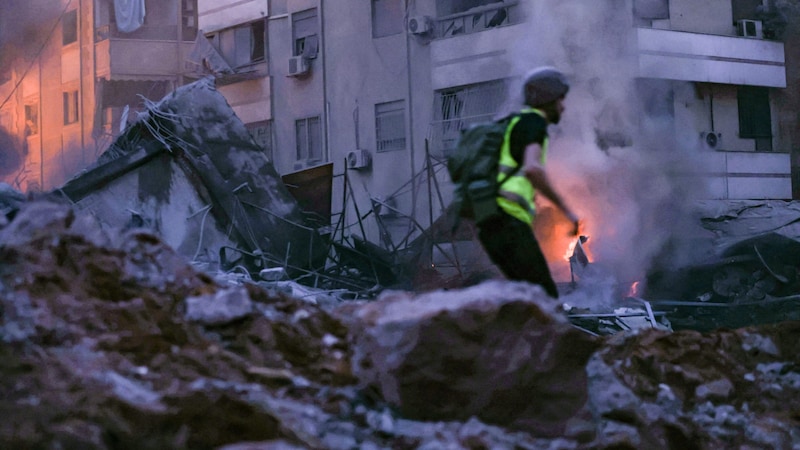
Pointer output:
558, 243
634, 289
570, 249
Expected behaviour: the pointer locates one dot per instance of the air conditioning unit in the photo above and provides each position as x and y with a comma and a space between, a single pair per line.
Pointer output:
711, 139
420, 24
298, 65
358, 159
750, 28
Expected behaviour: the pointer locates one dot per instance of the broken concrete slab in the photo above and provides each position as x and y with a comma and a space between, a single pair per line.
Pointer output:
188, 170
752, 280
736, 220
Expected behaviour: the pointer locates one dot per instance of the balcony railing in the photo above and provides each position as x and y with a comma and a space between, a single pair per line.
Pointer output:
153, 33
478, 19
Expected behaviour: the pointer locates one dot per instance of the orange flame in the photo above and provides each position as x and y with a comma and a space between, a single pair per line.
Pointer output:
557, 242
570, 249
634, 289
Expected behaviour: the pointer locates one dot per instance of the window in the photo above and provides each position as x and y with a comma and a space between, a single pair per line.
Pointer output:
651, 9
755, 121
189, 19
70, 107
746, 9
305, 31
31, 119
309, 139
390, 126
387, 17
242, 45
69, 27
456, 108
262, 135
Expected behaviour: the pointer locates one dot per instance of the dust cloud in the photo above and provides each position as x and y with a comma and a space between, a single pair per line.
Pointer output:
614, 155
26, 24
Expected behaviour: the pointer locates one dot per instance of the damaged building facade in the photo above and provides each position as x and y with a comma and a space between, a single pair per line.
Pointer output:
74, 73
367, 100
378, 94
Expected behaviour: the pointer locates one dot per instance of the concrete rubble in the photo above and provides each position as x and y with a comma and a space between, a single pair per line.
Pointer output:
111, 339
174, 296
188, 170
741, 270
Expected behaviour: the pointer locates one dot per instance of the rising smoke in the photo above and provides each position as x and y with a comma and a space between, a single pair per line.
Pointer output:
614, 155
24, 26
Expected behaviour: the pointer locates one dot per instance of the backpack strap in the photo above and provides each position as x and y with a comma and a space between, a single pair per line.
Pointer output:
511, 173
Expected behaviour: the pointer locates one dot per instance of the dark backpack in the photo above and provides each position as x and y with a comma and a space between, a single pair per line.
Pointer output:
473, 168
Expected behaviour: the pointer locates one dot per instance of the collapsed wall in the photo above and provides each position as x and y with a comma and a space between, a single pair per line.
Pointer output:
189, 170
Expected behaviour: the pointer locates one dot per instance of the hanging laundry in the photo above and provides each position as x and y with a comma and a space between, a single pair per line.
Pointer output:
130, 14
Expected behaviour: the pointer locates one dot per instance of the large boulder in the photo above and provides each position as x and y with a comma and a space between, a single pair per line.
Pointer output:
499, 351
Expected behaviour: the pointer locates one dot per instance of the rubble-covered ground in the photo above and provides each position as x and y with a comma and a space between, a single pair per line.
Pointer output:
111, 340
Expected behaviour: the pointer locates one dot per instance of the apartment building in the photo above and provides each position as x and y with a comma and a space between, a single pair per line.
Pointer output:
82, 69
737, 73
379, 93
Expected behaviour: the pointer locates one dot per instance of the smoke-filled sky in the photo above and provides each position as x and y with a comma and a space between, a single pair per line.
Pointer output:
617, 171
24, 25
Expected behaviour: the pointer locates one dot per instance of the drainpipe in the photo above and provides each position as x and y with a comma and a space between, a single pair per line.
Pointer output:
711, 106
410, 116
41, 129
179, 45
325, 102
82, 111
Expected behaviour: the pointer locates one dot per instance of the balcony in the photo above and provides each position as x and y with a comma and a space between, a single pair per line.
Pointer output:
471, 47
215, 15
678, 55
477, 19
146, 33
147, 53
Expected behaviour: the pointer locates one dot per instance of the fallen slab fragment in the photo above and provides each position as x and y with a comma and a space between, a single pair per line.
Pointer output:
751, 281
499, 351
188, 170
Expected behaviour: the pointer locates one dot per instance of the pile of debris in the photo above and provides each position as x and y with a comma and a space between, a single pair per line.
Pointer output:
188, 170
742, 271
750, 274
110, 339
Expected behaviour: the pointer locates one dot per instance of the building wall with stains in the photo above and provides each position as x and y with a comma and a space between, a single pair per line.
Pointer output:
70, 56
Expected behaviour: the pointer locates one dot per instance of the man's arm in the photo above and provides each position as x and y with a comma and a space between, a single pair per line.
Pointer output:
535, 173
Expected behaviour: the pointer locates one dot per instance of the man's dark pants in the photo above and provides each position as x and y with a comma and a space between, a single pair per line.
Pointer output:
511, 245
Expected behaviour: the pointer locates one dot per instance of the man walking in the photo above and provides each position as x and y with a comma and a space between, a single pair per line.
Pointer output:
508, 237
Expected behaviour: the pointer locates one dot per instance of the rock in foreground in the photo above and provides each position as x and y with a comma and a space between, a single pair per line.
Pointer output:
498, 351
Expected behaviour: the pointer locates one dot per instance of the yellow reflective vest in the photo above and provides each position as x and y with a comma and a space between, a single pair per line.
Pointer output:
516, 193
